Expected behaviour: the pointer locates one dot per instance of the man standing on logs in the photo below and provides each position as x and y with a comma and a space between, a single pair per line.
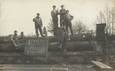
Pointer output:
38, 24
62, 16
54, 15
68, 24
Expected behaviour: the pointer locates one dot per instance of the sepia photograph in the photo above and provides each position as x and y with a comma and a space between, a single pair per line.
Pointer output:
57, 35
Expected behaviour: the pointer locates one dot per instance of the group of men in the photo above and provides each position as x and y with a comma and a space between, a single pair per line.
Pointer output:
65, 21
17, 40
16, 37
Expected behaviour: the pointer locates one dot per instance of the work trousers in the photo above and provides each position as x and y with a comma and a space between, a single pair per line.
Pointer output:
38, 27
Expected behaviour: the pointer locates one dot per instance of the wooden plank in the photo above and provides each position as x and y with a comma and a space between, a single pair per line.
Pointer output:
36, 46
101, 65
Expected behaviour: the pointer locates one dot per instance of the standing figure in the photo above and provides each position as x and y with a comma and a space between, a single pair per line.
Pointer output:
68, 19
61, 37
15, 36
22, 35
14, 39
38, 24
62, 16
54, 15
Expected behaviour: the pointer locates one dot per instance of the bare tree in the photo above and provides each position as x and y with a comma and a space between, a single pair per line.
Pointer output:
106, 16
113, 21
79, 27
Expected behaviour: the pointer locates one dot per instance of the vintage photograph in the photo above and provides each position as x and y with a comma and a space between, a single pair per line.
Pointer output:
57, 35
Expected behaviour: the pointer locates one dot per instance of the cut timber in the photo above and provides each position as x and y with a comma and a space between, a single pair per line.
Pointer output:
101, 66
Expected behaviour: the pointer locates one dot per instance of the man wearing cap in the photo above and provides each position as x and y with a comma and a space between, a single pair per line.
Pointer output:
38, 24
68, 19
54, 15
15, 36
62, 15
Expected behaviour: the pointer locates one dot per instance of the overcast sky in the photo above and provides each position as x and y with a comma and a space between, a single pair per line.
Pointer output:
18, 14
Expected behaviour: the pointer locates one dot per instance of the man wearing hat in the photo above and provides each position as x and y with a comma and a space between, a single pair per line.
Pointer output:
62, 15
38, 24
68, 19
54, 15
